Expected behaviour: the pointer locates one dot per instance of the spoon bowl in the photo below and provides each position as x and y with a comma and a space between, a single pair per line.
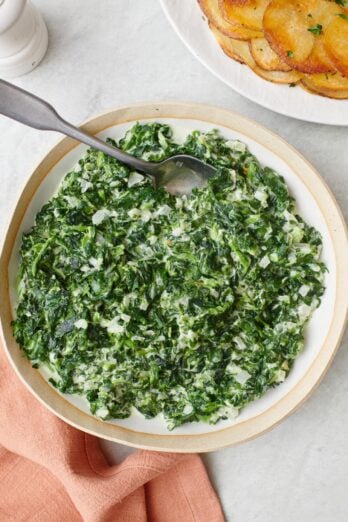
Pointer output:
180, 174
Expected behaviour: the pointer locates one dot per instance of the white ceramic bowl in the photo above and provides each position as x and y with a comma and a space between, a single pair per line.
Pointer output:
315, 204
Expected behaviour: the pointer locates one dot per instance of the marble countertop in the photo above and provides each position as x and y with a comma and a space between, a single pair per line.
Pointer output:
104, 54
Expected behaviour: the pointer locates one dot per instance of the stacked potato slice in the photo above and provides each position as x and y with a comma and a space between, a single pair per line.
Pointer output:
301, 42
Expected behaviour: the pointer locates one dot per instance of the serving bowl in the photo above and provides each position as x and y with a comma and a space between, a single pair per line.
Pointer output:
315, 204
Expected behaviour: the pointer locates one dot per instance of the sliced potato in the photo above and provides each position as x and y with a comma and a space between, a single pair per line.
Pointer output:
211, 10
320, 57
290, 77
233, 47
295, 29
282, 24
229, 50
336, 42
248, 13
335, 82
329, 93
265, 57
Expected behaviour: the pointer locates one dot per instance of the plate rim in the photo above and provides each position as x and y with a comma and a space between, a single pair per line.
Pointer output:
236, 88
248, 429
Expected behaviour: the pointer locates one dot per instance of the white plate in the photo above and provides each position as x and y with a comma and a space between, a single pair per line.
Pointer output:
190, 24
315, 204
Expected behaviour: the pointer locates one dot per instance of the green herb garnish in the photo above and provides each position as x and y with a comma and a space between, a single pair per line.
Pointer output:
316, 29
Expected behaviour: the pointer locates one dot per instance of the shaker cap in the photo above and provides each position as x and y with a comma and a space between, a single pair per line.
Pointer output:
10, 11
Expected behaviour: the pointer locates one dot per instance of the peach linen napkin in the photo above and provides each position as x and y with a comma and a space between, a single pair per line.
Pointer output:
50, 471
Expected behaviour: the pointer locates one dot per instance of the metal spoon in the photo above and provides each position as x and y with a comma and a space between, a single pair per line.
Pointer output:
178, 174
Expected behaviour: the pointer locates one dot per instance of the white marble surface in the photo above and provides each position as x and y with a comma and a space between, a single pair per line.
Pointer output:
114, 52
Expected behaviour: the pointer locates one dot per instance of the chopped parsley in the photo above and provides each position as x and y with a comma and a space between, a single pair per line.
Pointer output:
316, 29
190, 307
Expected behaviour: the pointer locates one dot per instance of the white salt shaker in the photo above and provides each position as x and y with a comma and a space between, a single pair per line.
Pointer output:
23, 37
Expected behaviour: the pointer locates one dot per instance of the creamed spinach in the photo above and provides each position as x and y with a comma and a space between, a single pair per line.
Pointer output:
190, 307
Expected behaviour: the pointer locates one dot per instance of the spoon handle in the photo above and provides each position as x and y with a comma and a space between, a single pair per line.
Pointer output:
21, 105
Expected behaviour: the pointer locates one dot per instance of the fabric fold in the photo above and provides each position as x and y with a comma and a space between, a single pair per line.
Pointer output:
52, 471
